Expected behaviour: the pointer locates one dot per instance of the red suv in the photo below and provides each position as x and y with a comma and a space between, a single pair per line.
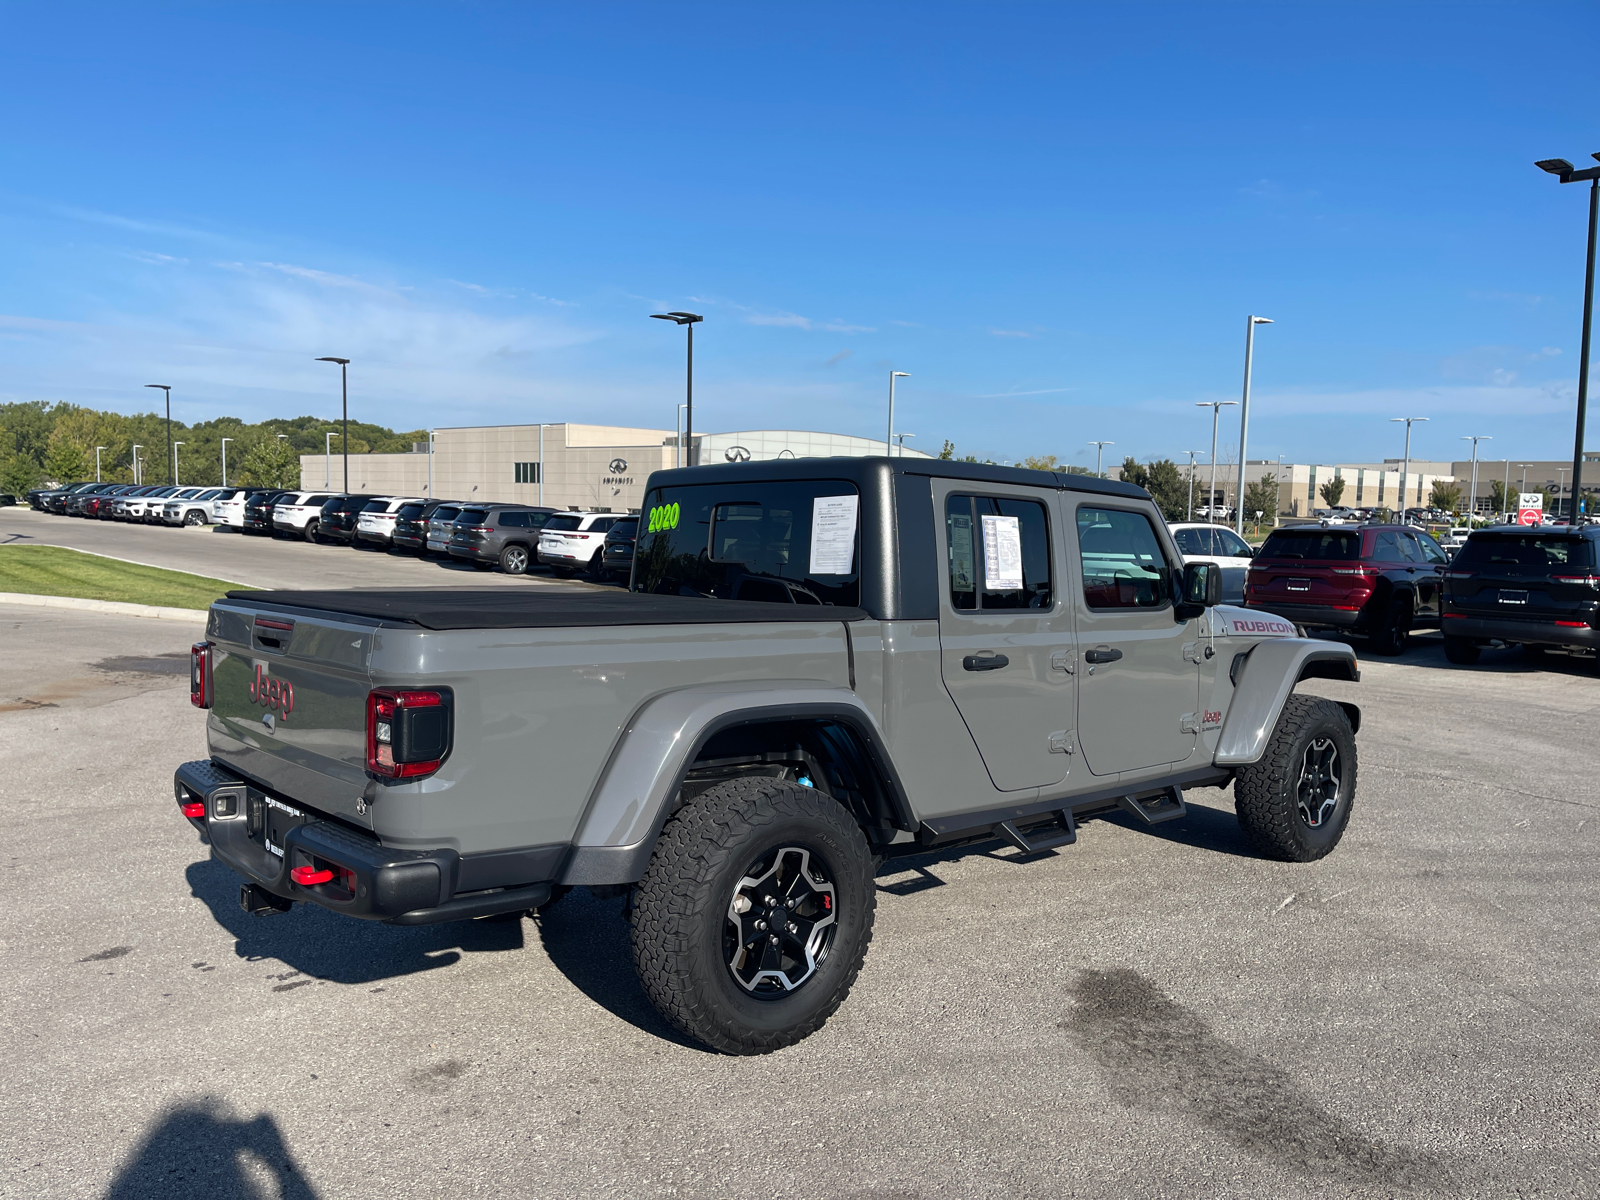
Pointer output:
1378, 580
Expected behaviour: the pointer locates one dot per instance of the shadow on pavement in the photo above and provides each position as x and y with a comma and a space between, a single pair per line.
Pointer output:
197, 1152
587, 941
324, 945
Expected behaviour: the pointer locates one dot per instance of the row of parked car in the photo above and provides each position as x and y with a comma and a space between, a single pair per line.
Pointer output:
514, 537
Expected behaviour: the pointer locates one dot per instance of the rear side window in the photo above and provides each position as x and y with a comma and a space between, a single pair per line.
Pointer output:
511, 520
1390, 546
1524, 553
999, 553
1123, 566
1336, 545
316, 499
784, 541
602, 524
561, 522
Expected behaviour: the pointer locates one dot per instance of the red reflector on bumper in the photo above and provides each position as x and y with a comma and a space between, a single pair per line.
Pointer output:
195, 808
1574, 624
309, 876
1456, 616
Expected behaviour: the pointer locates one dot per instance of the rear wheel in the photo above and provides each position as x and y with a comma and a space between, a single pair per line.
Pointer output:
1461, 651
597, 568
311, 530
1394, 635
514, 560
1295, 802
754, 914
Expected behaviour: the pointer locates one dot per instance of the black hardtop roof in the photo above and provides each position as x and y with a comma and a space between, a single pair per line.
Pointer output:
858, 470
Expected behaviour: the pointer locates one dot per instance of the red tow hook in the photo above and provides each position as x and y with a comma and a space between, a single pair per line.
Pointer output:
195, 809
310, 876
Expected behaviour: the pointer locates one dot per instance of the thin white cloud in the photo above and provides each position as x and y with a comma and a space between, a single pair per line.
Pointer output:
782, 319
134, 225
834, 327
1017, 333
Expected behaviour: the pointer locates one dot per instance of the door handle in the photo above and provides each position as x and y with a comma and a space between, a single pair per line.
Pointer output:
1101, 656
985, 662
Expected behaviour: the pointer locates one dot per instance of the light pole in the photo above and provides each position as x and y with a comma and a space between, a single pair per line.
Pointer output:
344, 396
900, 439
137, 477
679, 416
166, 388
888, 445
1561, 168
1191, 454
1099, 456
688, 320
327, 458
1216, 407
430, 464
175, 446
97, 450
1505, 491
1561, 487
225, 442
1244, 414
1472, 498
1405, 468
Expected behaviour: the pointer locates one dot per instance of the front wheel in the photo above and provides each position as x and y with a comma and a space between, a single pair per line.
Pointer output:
754, 914
1294, 803
194, 517
311, 531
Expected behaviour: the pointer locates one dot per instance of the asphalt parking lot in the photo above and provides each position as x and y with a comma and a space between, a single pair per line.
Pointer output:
1142, 1014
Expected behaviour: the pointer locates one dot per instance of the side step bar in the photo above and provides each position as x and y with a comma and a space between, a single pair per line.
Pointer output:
1037, 841
1165, 805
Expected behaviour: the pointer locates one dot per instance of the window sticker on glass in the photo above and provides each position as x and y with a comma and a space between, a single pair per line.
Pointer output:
960, 525
833, 534
1002, 553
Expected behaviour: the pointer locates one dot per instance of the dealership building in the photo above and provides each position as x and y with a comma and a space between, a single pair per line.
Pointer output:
563, 465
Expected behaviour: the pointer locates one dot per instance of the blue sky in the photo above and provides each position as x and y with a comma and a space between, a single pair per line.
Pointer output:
1055, 217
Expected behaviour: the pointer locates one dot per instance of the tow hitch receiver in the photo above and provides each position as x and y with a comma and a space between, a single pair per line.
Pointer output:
261, 903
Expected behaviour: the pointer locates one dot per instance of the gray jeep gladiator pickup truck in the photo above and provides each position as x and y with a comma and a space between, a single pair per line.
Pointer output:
819, 664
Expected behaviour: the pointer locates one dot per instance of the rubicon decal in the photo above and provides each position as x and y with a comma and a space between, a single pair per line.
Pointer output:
276, 694
1262, 627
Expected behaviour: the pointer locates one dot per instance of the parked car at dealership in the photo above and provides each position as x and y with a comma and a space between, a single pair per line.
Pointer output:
56, 501
506, 534
441, 523
97, 505
227, 509
258, 510
338, 520
411, 525
190, 510
375, 522
1535, 587
132, 506
74, 505
1202, 542
299, 514
575, 541
1380, 581
616, 558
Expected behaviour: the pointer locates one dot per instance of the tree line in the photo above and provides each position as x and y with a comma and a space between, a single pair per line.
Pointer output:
55, 443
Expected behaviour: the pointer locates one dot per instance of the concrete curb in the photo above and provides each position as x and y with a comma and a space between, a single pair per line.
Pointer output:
106, 606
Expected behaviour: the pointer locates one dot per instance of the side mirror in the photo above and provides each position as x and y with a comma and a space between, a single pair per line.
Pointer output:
1201, 589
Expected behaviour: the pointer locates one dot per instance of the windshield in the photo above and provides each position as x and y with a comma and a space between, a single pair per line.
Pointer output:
375, 506
562, 521
445, 512
790, 542
1528, 553
1336, 545
472, 516
409, 512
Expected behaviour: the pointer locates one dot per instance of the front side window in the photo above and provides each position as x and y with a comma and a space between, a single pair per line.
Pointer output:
1232, 545
1431, 550
783, 541
998, 553
1123, 566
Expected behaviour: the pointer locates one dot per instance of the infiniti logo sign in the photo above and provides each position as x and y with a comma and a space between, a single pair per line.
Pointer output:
618, 465
736, 454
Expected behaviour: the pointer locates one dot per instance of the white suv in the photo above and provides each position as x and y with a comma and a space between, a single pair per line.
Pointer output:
375, 523
227, 508
300, 513
1199, 542
191, 506
574, 541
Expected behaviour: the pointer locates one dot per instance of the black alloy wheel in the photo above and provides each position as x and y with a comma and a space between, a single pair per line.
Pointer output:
311, 530
1294, 802
1321, 782
780, 922
514, 560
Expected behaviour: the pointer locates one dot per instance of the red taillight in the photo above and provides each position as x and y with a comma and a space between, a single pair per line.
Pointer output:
200, 674
194, 809
408, 732
1581, 580
1574, 624
310, 876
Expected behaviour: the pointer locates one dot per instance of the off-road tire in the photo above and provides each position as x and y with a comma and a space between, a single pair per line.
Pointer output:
1393, 636
1264, 793
680, 908
1461, 651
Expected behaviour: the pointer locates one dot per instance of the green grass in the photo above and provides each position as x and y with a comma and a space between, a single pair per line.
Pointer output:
55, 571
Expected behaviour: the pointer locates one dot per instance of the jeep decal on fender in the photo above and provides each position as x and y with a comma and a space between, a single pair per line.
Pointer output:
271, 693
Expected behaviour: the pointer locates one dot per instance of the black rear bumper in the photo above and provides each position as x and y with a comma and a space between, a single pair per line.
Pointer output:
368, 879
1501, 629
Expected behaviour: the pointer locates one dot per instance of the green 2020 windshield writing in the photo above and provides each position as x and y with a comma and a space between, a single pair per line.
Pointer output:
663, 517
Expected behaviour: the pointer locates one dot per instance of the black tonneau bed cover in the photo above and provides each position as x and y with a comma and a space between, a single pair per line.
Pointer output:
513, 608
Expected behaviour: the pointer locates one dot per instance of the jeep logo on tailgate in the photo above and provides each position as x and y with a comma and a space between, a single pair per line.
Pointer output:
271, 693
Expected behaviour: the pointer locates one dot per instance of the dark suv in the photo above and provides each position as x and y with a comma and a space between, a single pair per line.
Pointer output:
1536, 587
258, 511
1378, 580
411, 525
508, 534
616, 559
339, 516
